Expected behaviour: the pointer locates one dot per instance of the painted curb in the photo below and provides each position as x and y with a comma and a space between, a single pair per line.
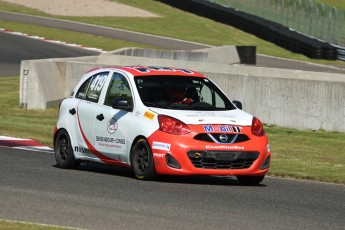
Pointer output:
51, 41
22, 143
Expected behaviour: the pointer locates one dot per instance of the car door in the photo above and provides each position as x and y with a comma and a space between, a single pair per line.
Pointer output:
112, 125
89, 95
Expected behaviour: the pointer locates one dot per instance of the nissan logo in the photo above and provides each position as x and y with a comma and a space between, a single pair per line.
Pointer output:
197, 155
223, 138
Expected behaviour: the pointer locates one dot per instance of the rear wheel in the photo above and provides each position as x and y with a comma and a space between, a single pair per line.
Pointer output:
250, 180
142, 160
64, 152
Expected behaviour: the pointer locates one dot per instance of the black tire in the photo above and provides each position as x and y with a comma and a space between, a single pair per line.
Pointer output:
250, 180
142, 160
64, 151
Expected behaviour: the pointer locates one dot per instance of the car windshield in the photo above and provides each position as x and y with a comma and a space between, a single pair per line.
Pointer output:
182, 93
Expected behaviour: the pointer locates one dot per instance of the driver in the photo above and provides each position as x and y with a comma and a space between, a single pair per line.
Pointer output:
177, 95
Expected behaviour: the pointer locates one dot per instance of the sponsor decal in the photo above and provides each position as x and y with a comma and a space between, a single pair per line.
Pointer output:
98, 82
111, 142
83, 150
81, 95
149, 115
155, 68
158, 155
222, 129
97, 153
112, 125
96, 85
160, 146
224, 147
210, 114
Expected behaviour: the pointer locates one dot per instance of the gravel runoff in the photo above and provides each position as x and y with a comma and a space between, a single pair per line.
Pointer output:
94, 8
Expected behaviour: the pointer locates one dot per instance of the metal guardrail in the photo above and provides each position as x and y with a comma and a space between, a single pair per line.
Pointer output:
340, 52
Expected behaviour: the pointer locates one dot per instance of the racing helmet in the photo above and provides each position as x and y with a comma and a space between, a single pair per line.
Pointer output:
177, 93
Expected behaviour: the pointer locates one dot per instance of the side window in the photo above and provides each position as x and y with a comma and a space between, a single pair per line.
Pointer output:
211, 97
81, 94
91, 89
206, 95
118, 89
219, 102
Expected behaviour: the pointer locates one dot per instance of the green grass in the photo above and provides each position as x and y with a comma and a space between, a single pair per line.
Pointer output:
18, 225
337, 3
313, 155
87, 40
18, 122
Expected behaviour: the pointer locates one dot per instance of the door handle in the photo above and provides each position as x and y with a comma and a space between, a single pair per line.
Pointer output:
72, 111
100, 117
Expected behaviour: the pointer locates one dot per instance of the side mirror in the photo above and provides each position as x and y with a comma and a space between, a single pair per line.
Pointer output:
122, 104
238, 104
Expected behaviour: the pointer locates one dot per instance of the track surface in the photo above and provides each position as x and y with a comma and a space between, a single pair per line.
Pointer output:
15, 48
99, 197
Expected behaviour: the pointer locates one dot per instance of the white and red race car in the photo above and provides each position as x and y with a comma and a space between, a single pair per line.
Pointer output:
158, 120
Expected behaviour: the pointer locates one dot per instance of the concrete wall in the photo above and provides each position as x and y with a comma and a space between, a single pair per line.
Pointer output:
296, 102
222, 54
287, 98
44, 83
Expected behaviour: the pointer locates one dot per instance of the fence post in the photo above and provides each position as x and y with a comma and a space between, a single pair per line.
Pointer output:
299, 14
258, 9
342, 28
311, 17
276, 9
322, 6
305, 17
329, 26
317, 12
334, 24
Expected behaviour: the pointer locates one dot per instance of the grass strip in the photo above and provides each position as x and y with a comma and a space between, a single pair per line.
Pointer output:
21, 225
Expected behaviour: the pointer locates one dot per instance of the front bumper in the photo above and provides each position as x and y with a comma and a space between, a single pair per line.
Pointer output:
188, 156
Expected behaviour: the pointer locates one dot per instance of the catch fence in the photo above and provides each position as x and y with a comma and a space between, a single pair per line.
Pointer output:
308, 17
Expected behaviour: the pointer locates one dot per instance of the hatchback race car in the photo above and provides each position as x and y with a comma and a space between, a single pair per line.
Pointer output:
158, 120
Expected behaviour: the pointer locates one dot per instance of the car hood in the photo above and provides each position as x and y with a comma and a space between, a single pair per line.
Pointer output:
233, 117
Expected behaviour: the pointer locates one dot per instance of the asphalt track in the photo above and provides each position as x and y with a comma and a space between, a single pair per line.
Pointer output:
101, 197
15, 48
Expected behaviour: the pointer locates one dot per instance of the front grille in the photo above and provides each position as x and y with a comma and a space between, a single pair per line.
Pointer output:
217, 138
222, 159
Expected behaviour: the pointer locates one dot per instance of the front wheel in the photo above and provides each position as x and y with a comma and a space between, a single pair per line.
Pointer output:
142, 160
250, 180
64, 152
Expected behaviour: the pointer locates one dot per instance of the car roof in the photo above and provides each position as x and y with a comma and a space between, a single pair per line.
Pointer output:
153, 71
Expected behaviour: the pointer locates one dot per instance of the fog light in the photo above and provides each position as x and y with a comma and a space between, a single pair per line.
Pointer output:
172, 162
266, 163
